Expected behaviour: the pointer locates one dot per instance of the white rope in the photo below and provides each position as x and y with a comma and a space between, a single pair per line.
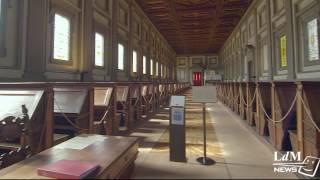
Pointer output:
104, 116
237, 97
151, 98
308, 112
136, 103
70, 122
248, 105
289, 111
262, 107
283, 117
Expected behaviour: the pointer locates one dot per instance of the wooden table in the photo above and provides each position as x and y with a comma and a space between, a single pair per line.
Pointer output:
115, 155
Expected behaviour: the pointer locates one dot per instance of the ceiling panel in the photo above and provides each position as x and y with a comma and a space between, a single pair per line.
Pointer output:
195, 26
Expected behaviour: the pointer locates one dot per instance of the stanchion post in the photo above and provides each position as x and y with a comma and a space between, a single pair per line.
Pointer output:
205, 160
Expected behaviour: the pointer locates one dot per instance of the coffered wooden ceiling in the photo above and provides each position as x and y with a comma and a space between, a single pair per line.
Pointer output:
195, 26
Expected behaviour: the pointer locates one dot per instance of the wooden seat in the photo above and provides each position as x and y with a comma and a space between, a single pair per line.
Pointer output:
13, 157
284, 94
122, 108
144, 102
134, 110
71, 110
13, 132
261, 119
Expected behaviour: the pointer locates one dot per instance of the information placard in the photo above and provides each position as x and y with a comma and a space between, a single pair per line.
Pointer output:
204, 94
177, 116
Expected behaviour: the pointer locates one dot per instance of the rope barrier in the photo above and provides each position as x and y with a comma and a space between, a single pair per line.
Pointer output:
257, 95
262, 106
251, 103
137, 100
104, 116
308, 112
151, 98
69, 121
283, 117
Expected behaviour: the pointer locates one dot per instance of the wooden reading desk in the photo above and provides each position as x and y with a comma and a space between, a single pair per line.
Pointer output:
115, 155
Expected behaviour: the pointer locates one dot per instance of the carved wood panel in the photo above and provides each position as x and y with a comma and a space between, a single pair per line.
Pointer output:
195, 26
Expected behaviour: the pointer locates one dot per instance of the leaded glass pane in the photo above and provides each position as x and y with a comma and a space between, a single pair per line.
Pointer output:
144, 59
283, 51
61, 38
134, 61
120, 57
313, 40
151, 67
99, 50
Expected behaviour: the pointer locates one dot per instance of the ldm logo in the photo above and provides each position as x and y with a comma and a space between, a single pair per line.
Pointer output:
292, 162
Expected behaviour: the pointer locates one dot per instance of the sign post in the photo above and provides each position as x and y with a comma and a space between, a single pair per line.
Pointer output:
177, 129
204, 94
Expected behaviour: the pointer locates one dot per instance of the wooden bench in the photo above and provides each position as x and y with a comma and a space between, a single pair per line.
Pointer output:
14, 156
115, 155
284, 94
103, 109
251, 110
310, 135
71, 110
151, 98
122, 108
243, 100
134, 109
22, 118
261, 120
144, 102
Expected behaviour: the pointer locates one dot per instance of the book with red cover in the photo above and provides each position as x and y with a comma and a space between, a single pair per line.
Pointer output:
69, 169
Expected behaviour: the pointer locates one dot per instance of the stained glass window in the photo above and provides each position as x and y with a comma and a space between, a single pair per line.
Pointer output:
313, 40
265, 58
151, 67
61, 38
144, 59
0, 9
99, 49
134, 61
283, 51
120, 57
157, 69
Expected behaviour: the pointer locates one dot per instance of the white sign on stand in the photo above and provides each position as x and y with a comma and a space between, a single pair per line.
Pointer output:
177, 101
204, 94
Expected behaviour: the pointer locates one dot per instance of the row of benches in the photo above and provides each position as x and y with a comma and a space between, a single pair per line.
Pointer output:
286, 113
41, 115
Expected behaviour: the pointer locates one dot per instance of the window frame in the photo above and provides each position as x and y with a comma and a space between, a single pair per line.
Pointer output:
144, 65
71, 20
151, 67
305, 47
132, 64
280, 70
104, 50
157, 69
3, 31
124, 56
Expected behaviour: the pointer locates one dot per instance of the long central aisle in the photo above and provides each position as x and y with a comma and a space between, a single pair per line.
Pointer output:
238, 153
